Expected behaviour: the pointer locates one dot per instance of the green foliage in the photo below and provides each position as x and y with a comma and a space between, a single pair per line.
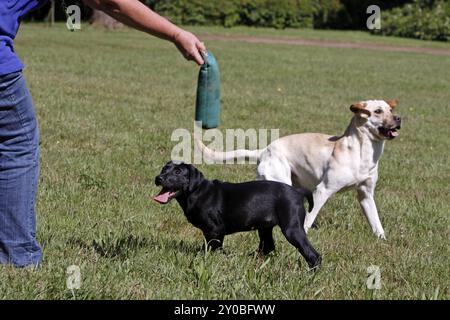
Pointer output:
423, 19
261, 13
426, 20
336, 14
328, 11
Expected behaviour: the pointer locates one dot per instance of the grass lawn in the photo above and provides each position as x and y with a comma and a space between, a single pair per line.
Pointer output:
108, 102
330, 35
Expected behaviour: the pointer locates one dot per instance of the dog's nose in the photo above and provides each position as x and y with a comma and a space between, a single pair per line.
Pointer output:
398, 122
158, 180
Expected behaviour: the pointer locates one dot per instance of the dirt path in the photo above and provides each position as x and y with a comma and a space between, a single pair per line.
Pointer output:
324, 44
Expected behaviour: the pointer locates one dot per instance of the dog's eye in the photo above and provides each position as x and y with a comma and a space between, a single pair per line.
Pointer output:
177, 171
378, 111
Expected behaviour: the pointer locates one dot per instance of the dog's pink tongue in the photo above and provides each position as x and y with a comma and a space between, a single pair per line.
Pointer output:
393, 133
163, 197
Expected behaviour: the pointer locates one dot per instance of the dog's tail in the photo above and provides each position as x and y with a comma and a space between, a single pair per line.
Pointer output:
220, 156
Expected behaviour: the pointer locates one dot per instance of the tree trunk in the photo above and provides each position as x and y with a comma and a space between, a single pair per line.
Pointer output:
101, 19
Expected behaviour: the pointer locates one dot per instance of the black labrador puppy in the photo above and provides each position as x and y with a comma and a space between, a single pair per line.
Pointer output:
219, 208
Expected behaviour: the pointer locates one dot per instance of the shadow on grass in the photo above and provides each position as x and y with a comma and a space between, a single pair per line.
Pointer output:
112, 246
122, 247
183, 246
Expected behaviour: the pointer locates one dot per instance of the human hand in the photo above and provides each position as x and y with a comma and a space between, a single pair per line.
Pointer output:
189, 46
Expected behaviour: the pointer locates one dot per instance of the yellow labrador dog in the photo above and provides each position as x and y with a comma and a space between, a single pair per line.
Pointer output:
325, 164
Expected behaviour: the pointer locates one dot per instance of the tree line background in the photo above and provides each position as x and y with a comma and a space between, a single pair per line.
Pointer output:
422, 19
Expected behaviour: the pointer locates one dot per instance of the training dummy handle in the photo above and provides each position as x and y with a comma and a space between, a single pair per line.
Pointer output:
207, 109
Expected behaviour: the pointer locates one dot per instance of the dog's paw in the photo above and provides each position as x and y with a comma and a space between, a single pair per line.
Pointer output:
314, 266
381, 236
259, 254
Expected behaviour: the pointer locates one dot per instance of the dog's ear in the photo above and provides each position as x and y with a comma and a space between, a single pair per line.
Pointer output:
195, 177
392, 103
360, 109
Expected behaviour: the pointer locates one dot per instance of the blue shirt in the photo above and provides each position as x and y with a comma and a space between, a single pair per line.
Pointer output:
11, 12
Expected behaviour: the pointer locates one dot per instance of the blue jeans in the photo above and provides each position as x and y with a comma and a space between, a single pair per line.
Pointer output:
19, 172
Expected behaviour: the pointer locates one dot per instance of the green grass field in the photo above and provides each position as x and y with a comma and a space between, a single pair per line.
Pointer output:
108, 102
334, 35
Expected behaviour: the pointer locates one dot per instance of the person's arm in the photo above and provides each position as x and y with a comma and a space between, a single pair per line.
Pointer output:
136, 15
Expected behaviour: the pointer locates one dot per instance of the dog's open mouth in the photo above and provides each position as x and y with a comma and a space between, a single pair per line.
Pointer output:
165, 195
389, 133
